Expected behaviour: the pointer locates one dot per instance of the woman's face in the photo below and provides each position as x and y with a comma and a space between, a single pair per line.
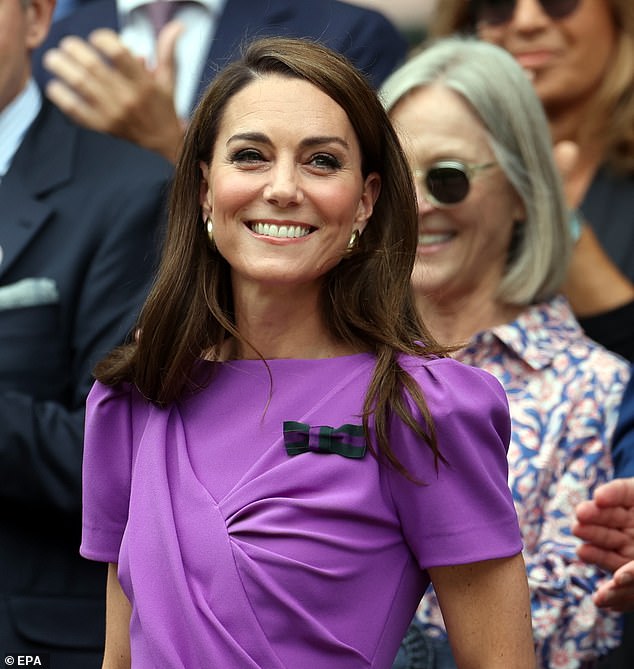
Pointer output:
284, 188
462, 249
566, 58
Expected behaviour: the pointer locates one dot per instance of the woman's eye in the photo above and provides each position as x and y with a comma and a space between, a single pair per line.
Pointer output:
247, 156
325, 161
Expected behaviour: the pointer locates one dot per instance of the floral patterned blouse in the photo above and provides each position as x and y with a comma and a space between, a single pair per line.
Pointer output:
564, 393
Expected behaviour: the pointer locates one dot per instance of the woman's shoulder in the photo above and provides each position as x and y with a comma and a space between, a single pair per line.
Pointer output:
101, 392
468, 408
450, 375
122, 396
454, 390
119, 410
599, 372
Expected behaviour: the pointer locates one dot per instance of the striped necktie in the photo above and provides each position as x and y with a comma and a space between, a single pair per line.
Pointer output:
161, 12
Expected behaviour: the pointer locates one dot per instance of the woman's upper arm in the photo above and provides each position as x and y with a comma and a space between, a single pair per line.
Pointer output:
118, 611
486, 608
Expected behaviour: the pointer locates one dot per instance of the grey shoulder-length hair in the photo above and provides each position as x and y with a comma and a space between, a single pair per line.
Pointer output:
500, 93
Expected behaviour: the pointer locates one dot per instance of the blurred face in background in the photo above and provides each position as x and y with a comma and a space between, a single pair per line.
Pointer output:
463, 247
565, 51
23, 26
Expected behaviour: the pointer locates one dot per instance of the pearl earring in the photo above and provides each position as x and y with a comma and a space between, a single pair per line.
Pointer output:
210, 229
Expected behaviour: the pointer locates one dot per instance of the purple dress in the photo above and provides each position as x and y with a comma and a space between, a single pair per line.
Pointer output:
242, 546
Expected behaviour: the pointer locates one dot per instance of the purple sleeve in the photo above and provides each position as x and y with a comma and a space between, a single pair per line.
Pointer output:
106, 472
464, 512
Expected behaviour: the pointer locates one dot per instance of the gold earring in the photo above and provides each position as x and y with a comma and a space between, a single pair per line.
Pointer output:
354, 240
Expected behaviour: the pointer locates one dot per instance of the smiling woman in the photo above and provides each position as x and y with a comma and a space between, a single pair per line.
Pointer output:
254, 460
285, 198
579, 55
492, 253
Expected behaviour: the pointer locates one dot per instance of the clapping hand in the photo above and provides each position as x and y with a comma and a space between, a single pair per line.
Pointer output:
606, 524
103, 86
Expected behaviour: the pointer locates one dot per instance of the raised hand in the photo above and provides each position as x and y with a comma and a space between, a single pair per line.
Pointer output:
594, 284
606, 524
102, 85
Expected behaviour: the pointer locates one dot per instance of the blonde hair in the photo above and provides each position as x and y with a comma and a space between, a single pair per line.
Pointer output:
612, 112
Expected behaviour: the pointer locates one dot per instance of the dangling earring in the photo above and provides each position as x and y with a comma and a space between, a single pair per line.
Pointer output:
210, 229
354, 240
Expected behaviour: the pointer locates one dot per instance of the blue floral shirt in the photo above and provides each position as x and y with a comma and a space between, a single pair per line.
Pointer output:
564, 393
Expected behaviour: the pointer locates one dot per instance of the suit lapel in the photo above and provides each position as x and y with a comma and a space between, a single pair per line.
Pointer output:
42, 164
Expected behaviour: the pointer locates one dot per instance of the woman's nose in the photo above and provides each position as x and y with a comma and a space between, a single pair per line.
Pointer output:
422, 201
529, 15
283, 188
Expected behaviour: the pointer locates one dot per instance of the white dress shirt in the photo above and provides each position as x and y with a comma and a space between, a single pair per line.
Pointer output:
15, 120
200, 19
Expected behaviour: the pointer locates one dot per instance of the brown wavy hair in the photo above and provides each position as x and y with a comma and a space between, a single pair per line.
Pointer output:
612, 115
366, 299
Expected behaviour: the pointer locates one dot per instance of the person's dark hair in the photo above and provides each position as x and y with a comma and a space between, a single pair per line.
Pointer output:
366, 300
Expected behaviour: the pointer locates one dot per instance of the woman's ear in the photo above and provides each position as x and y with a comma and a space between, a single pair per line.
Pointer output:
371, 190
205, 193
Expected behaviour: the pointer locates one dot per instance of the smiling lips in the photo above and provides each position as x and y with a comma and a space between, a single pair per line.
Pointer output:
280, 231
534, 59
433, 238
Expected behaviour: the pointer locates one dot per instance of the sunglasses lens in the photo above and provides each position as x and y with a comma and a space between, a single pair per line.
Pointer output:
447, 185
558, 9
494, 12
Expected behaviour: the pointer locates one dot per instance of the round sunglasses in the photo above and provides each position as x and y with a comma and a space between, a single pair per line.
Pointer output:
447, 182
497, 12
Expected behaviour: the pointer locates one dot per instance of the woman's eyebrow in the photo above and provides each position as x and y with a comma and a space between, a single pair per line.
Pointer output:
258, 137
325, 139
261, 138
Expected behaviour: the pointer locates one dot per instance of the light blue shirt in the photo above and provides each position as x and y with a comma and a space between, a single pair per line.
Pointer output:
15, 120
64, 8
200, 19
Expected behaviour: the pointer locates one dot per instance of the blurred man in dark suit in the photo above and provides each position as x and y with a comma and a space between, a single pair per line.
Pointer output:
81, 213
135, 74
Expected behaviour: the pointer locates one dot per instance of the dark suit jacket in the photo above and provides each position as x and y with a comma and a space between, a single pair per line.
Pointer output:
366, 37
84, 211
623, 455
609, 208
623, 439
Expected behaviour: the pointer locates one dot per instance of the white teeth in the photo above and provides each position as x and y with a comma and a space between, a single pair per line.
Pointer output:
282, 231
427, 238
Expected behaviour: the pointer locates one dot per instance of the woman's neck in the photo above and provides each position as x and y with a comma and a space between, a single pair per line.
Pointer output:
455, 322
567, 125
282, 323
